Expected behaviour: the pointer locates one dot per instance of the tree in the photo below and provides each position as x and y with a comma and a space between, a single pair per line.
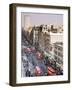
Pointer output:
46, 60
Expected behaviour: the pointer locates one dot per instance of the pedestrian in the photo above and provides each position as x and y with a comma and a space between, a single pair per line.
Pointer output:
28, 73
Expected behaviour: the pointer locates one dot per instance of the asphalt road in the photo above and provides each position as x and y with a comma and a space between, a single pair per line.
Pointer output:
30, 61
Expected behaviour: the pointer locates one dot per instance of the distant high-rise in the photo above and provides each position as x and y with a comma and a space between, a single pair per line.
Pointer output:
51, 27
27, 21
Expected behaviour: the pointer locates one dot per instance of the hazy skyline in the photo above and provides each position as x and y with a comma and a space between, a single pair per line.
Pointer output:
44, 18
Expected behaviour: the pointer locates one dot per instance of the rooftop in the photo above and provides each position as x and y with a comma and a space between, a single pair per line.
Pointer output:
59, 43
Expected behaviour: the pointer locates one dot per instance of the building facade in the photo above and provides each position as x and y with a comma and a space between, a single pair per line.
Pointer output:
58, 53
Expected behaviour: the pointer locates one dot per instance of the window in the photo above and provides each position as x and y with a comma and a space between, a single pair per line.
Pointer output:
55, 52
55, 58
60, 61
60, 48
55, 47
60, 54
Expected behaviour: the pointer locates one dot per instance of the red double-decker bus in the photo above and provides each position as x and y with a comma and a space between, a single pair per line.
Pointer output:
51, 71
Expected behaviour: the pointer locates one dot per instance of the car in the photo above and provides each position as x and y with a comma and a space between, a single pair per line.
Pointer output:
39, 56
27, 50
24, 49
33, 49
38, 71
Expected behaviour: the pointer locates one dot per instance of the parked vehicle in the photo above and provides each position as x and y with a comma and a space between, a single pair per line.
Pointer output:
38, 71
51, 71
39, 56
33, 49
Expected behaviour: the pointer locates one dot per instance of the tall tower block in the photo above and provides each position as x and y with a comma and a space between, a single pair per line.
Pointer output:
27, 21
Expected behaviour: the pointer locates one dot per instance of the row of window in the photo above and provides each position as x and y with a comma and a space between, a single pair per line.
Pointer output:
59, 48
47, 40
58, 53
60, 61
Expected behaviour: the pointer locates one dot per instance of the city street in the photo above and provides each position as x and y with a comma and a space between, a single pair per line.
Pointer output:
32, 64
30, 59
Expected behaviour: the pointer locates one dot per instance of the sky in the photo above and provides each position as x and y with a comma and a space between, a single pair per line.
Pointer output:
45, 18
